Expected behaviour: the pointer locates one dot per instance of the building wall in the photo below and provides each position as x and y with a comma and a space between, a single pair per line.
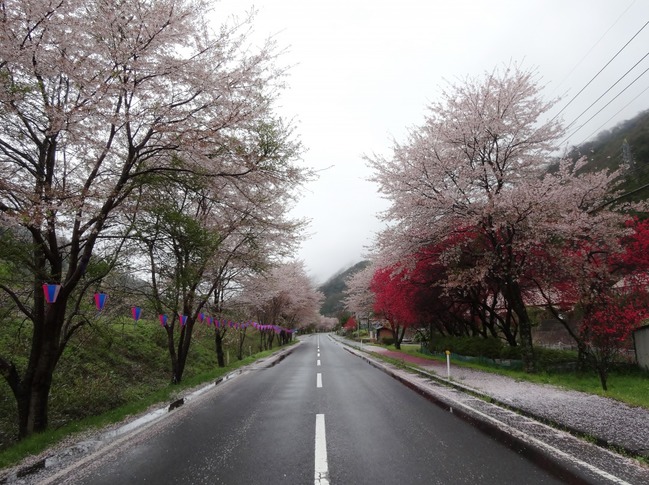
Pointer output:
641, 342
383, 332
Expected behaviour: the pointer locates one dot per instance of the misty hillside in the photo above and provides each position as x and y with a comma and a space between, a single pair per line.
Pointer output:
334, 290
627, 143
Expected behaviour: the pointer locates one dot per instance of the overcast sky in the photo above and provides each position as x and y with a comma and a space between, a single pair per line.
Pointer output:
364, 72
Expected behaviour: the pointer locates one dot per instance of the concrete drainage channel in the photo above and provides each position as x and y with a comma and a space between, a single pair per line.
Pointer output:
561, 453
90, 446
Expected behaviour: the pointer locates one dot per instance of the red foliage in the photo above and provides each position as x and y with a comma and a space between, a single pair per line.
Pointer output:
350, 324
610, 321
394, 294
634, 261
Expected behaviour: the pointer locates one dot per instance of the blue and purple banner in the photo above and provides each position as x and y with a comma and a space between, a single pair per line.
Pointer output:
100, 300
51, 292
136, 311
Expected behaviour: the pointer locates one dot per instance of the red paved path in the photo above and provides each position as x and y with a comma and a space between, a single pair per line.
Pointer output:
413, 359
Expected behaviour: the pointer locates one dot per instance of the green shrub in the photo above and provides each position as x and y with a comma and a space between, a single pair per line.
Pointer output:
490, 348
555, 359
509, 352
387, 340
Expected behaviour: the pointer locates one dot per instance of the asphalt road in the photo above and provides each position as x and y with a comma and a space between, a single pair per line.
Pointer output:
319, 416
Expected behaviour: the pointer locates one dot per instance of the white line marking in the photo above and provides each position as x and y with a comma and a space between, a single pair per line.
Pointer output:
318, 380
318, 364
318, 354
321, 466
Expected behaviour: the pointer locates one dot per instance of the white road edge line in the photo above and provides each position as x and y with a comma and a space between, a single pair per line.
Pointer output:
318, 380
321, 466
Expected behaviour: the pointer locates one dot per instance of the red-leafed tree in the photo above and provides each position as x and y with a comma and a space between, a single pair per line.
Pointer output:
597, 291
394, 297
350, 324
607, 326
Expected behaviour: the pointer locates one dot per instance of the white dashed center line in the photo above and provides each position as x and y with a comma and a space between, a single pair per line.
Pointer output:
318, 381
321, 466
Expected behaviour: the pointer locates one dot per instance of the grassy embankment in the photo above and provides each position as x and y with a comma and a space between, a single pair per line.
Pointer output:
626, 384
110, 372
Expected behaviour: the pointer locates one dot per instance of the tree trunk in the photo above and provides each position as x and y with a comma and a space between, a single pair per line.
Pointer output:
242, 340
429, 343
400, 334
183, 349
33, 407
603, 375
33, 391
395, 335
172, 353
218, 343
515, 299
32, 400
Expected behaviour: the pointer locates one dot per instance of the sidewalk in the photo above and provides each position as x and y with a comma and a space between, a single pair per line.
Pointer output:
600, 424
609, 421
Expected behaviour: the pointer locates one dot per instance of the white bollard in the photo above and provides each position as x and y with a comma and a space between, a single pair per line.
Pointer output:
448, 364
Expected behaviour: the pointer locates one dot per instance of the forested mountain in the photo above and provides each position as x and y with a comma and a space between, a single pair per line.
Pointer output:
627, 143
334, 290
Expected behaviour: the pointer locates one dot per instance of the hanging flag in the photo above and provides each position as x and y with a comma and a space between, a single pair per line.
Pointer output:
100, 300
163, 320
136, 311
182, 319
51, 292
209, 321
201, 316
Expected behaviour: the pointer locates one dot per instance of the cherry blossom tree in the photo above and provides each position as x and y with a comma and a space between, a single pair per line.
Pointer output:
359, 298
197, 232
325, 324
282, 296
480, 161
95, 97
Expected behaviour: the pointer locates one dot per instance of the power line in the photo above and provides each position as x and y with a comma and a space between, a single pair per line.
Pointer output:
617, 113
601, 70
607, 91
607, 104
593, 47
